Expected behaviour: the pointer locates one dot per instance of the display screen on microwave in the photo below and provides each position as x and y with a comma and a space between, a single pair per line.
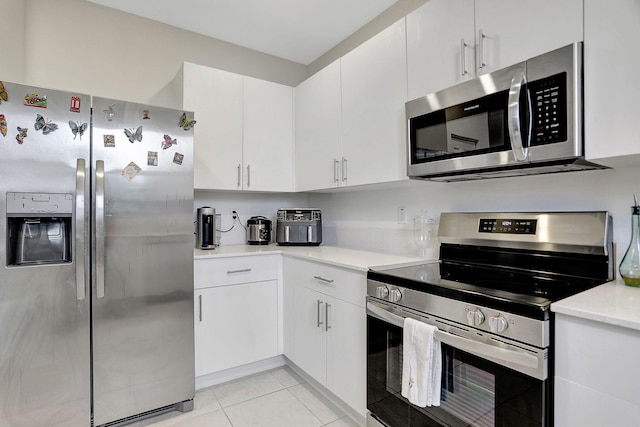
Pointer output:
508, 226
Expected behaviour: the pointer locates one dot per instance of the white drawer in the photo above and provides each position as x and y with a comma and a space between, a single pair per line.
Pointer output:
232, 270
347, 285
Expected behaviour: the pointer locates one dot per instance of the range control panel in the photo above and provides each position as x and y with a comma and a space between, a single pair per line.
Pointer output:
508, 226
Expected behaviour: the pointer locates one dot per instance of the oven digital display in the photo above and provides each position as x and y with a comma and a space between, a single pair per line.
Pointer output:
508, 226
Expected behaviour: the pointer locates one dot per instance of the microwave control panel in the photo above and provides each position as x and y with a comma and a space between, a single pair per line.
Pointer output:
549, 102
508, 226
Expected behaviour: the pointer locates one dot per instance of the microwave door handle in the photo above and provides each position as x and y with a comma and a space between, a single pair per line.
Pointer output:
520, 150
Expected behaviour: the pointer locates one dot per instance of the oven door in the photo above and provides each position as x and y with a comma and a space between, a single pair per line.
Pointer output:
477, 390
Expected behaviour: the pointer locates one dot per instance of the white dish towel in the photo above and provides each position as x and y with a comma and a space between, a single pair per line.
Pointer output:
421, 364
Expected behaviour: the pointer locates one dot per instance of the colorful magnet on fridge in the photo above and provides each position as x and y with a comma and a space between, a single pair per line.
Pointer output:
178, 158
75, 104
4, 96
45, 125
22, 134
185, 123
3, 125
134, 135
34, 100
111, 113
145, 115
168, 142
77, 128
152, 158
109, 141
130, 171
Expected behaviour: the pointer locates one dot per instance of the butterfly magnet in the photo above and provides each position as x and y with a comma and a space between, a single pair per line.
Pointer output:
134, 135
47, 126
168, 142
22, 134
185, 123
110, 112
4, 96
3, 125
77, 128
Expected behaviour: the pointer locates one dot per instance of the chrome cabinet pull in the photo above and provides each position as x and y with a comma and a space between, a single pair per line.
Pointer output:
463, 62
318, 321
239, 174
326, 317
344, 169
248, 176
323, 279
200, 307
336, 164
100, 228
80, 237
481, 37
243, 270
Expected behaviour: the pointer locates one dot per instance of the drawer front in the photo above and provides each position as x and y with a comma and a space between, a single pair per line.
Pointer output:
234, 270
347, 285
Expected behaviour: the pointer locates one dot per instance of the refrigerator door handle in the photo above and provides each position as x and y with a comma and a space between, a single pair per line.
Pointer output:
99, 229
81, 230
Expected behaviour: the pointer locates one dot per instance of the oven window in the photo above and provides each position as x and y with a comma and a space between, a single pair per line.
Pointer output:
475, 392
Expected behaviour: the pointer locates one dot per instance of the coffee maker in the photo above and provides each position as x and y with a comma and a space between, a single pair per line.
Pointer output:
206, 228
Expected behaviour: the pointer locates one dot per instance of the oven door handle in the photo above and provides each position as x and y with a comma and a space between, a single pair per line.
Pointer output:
464, 344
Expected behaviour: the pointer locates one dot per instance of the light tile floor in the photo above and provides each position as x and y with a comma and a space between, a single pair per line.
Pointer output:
275, 398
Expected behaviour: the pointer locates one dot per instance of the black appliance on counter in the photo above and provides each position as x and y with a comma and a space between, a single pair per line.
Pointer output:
489, 297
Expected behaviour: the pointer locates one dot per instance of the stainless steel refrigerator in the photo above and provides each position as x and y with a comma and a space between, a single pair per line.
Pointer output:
96, 241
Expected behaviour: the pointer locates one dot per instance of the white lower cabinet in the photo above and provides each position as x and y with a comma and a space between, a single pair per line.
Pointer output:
329, 327
236, 312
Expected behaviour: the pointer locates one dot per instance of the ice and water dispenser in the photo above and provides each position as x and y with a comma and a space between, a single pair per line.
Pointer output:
39, 228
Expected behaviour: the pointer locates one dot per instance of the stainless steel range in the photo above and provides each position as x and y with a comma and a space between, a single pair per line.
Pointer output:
489, 297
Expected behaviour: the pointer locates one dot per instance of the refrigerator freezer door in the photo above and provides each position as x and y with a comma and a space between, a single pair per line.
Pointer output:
44, 311
143, 310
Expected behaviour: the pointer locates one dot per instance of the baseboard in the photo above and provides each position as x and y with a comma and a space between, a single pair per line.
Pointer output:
220, 377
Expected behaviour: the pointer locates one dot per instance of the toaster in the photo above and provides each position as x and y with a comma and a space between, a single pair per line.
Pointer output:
299, 227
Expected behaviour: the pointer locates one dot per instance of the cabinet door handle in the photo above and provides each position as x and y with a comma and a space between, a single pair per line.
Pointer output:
326, 317
318, 321
239, 174
463, 57
336, 165
481, 37
323, 279
248, 176
200, 307
344, 169
243, 270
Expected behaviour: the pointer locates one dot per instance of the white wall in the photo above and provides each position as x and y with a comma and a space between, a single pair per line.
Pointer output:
367, 218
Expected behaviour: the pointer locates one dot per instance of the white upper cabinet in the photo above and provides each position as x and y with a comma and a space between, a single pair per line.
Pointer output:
441, 45
510, 31
611, 91
216, 98
244, 131
318, 130
268, 136
374, 91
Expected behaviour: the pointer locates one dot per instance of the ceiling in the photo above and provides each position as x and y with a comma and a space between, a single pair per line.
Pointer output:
297, 30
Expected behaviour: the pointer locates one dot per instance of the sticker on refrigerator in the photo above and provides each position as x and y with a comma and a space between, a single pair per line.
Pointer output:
130, 171
145, 115
34, 100
178, 158
168, 142
185, 123
4, 96
152, 158
109, 141
46, 126
110, 112
3, 125
22, 134
75, 104
134, 135
77, 128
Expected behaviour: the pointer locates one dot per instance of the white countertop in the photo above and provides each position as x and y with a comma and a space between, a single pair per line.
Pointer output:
341, 257
612, 303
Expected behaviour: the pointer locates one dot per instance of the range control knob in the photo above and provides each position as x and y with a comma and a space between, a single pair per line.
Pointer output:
498, 323
475, 317
382, 292
395, 295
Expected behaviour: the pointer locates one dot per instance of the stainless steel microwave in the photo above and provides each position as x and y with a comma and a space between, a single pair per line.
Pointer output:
521, 120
